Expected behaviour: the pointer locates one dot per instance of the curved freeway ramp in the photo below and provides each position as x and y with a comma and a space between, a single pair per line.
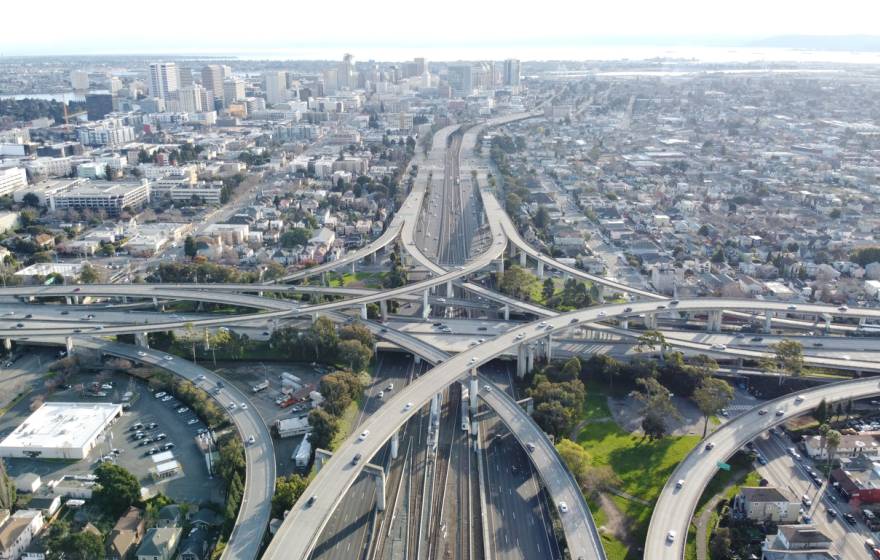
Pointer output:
675, 507
259, 484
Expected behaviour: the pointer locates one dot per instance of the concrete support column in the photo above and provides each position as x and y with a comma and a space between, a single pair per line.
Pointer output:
426, 308
474, 392
511, 250
624, 323
506, 310
449, 290
530, 358
364, 311
353, 269
383, 309
521, 361
713, 320
827, 324
68, 344
155, 303
768, 321
541, 270
500, 265
549, 346
863, 321
650, 321
523, 259
418, 360
140, 339
395, 444
380, 490
69, 301
324, 279
7, 344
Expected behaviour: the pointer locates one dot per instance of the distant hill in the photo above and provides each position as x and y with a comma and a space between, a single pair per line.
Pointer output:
821, 42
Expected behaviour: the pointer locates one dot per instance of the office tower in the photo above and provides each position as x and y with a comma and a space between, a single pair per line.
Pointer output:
79, 80
185, 77
275, 86
461, 79
212, 80
233, 90
345, 75
331, 80
511, 72
99, 105
115, 85
164, 80
189, 99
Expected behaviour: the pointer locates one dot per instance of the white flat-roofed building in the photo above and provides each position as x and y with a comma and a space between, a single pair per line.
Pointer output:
110, 197
12, 178
70, 271
60, 430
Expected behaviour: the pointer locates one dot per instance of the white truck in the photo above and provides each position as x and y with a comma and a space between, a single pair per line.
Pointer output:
260, 386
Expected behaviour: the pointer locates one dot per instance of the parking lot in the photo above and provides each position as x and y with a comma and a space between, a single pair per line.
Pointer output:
193, 484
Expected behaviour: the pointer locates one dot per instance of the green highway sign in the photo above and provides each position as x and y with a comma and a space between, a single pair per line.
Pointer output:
723, 466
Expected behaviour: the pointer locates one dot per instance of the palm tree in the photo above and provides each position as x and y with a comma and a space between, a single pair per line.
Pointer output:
832, 441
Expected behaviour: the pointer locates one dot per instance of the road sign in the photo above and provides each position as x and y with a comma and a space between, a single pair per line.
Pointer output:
723, 466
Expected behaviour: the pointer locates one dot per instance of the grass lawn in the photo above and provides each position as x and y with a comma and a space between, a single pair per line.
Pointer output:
346, 422
614, 549
596, 403
367, 279
629, 455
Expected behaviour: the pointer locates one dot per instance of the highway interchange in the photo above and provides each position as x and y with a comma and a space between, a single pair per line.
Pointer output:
337, 475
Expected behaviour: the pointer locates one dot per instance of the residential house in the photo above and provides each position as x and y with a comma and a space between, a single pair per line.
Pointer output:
797, 542
17, 532
765, 503
126, 534
159, 543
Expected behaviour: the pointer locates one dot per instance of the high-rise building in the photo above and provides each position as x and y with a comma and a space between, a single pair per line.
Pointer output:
331, 81
114, 84
12, 178
212, 80
511, 72
99, 105
461, 79
164, 80
233, 90
345, 73
185, 79
189, 99
79, 80
275, 86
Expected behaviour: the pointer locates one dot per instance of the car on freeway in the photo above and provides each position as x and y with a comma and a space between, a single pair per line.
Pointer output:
780, 412
200, 377
601, 314
680, 483
762, 460
628, 310
141, 353
850, 518
710, 446
232, 406
799, 399
530, 446
251, 440
757, 338
168, 358
356, 459
670, 536
717, 346
563, 507
389, 387
363, 435
843, 308
311, 501
762, 412
574, 320
408, 406
243, 406
792, 308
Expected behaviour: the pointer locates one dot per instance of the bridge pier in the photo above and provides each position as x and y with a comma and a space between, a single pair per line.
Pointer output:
521, 364
383, 310
713, 321
474, 392
321, 457
364, 311
624, 323
549, 346
506, 310
827, 324
449, 291
523, 259
500, 265
511, 250
768, 321
530, 358
426, 308
69, 301
353, 269
651, 321
380, 490
140, 339
395, 444
68, 345
541, 270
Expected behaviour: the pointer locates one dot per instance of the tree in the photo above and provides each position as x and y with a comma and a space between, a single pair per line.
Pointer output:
356, 331
711, 396
832, 442
821, 413
517, 282
651, 340
548, 289
324, 428
32, 200
88, 274
189, 247
599, 479
118, 489
294, 237
553, 418
658, 407
576, 458
339, 389
287, 492
7, 488
721, 544
542, 218
354, 354
82, 545
788, 358
571, 370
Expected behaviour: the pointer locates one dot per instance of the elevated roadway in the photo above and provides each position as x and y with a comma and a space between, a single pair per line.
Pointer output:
675, 507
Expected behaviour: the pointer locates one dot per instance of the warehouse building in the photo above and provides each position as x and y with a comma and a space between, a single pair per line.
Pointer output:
60, 430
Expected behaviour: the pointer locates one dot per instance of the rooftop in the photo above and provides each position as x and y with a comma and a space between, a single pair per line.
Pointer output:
62, 424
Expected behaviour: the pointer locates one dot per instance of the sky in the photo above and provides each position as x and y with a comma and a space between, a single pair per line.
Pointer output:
225, 26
